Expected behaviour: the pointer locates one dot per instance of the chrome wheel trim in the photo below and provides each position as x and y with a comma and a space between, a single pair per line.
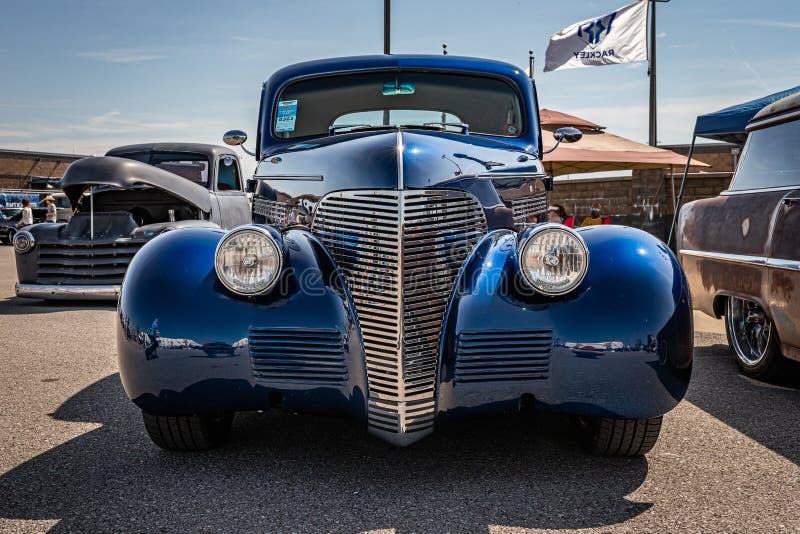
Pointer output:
751, 330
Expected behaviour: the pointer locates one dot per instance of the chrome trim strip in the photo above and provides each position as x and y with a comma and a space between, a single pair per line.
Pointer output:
779, 263
759, 261
66, 292
724, 256
761, 190
772, 121
308, 177
509, 176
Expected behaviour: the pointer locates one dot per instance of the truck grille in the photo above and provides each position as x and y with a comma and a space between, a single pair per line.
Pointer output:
506, 356
400, 252
274, 213
85, 263
291, 355
524, 208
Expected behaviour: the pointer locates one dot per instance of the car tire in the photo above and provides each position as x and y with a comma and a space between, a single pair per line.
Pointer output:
752, 339
9, 239
608, 436
188, 433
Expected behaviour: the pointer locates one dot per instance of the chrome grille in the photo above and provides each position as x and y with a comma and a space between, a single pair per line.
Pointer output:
506, 356
274, 213
524, 208
85, 263
291, 355
400, 252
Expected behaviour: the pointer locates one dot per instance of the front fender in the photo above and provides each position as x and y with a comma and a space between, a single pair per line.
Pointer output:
618, 345
203, 333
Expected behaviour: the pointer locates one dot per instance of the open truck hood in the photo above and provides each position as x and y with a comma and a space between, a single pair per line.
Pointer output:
121, 172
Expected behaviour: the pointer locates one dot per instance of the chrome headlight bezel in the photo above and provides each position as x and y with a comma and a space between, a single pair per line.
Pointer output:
271, 239
23, 242
537, 232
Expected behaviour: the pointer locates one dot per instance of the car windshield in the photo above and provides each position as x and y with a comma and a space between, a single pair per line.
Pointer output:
10, 213
313, 107
193, 167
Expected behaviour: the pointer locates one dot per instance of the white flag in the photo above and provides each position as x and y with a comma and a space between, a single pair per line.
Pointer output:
619, 37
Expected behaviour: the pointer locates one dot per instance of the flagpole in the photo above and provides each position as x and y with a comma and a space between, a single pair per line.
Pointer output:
387, 14
651, 72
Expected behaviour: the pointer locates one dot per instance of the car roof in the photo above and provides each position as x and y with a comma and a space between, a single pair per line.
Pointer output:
779, 107
211, 151
399, 61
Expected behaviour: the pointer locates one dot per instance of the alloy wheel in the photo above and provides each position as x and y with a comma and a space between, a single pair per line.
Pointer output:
751, 330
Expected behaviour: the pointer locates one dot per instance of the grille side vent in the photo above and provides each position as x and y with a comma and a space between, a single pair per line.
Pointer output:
302, 356
503, 356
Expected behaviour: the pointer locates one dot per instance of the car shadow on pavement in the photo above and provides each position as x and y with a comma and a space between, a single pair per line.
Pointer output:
282, 472
767, 412
23, 306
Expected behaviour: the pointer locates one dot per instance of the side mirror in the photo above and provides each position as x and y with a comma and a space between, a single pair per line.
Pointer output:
250, 185
234, 137
548, 183
564, 135
237, 138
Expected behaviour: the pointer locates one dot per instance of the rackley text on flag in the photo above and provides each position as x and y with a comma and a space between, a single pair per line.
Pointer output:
619, 37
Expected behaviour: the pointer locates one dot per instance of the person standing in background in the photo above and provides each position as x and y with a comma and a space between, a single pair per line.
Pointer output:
594, 217
52, 213
27, 214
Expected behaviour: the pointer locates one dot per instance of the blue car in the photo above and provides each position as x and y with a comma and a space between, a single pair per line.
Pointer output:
394, 274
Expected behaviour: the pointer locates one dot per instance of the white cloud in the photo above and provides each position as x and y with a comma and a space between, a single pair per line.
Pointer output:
661, 35
764, 23
122, 55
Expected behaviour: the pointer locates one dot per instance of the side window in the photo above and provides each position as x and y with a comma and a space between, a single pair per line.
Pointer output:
228, 175
771, 158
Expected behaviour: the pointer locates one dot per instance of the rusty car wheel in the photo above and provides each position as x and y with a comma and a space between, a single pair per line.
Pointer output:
752, 338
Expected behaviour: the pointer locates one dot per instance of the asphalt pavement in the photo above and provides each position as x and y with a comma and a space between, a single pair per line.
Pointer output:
74, 456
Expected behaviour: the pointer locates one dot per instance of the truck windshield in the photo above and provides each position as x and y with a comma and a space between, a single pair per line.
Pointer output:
312, 107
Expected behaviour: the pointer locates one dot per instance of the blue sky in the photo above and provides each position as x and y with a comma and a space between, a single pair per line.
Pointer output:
86, 75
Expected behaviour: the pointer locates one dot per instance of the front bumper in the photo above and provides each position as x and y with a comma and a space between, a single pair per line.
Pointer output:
67, 292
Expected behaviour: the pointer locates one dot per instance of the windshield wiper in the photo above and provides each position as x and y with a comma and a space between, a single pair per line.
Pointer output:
332, 129
443, 126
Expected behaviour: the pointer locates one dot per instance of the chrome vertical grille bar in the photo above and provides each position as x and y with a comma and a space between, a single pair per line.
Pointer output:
400, 252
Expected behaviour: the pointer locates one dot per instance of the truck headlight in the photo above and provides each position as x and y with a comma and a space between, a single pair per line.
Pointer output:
23, 242
248, 260
553, 259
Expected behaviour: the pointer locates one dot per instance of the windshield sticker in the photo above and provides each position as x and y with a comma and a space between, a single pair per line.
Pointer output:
287, 115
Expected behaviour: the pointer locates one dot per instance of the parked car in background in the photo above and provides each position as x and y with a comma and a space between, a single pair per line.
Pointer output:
388, 281
10, 217
741, 250
121, 201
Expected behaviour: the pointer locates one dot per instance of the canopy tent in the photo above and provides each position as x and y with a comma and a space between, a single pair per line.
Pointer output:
598, 150
728, 125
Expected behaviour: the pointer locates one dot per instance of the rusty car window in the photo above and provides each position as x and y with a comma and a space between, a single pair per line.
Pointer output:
771, 158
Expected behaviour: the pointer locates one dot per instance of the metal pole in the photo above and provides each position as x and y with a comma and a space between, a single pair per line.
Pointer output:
680, 193
530, 63
387, 15
651, 71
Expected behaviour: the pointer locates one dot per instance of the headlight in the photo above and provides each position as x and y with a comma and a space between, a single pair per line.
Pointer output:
248, 260
24, 242
553, 259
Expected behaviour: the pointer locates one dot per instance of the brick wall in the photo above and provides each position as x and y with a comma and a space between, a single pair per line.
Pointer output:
646, 199
17, 167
